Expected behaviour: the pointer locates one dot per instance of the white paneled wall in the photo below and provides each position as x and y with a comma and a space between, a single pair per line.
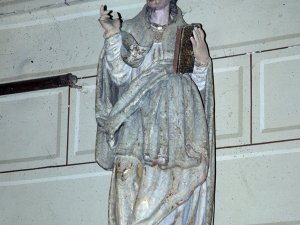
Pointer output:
48, 174
82, 124
33, 128
276, 95
232, 86
61, 195
258, 184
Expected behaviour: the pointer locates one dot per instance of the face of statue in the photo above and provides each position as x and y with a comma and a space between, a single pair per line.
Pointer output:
157, 4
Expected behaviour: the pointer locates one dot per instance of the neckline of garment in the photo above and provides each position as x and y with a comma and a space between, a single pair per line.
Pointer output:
158, 27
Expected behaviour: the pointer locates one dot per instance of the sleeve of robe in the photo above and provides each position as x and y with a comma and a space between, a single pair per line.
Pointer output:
119, 71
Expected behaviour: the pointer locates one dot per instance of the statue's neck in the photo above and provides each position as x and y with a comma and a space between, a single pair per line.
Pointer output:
161, 16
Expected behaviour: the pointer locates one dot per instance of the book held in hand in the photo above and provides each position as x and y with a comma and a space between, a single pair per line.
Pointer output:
183, 54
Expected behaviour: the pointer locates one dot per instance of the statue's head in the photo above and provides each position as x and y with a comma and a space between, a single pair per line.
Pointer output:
152, 5
157, 4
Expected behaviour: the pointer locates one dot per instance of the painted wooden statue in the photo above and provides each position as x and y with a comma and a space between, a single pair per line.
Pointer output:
155, 127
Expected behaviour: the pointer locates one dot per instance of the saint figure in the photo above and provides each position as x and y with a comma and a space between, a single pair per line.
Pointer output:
155, 127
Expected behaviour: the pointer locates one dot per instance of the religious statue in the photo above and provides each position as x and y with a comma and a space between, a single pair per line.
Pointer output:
155, 127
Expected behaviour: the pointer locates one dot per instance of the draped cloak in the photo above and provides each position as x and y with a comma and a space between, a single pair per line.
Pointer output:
156, 133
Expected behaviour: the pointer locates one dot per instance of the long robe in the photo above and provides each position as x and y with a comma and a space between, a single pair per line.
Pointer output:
155, 129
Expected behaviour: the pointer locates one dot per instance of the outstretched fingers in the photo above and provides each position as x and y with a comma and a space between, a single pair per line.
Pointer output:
105, 14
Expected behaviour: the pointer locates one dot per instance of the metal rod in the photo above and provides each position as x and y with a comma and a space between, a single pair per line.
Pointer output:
38, 84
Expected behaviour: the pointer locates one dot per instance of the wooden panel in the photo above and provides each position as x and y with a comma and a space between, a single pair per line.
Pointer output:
33, 128
276, 104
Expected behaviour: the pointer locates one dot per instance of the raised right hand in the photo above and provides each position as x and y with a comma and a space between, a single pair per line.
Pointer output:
111, 26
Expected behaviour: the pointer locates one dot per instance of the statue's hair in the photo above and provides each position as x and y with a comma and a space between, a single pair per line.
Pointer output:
173, 9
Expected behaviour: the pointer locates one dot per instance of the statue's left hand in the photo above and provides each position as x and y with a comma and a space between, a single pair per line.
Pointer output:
199, 46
